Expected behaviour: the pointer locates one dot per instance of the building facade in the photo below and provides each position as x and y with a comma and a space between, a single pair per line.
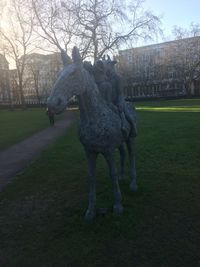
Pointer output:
162, 70
4, 80
39, 75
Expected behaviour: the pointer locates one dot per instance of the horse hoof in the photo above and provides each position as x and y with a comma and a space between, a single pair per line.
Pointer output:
90, 215
118, 209
133, 187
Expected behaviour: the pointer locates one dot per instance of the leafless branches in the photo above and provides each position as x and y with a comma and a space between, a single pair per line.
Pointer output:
17, 35
96, 26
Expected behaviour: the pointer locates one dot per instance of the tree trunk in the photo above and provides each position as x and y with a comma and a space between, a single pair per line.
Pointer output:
192, 88
37, 93
22, 99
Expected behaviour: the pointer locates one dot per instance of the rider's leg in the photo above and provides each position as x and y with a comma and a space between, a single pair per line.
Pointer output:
132, 122
123, 124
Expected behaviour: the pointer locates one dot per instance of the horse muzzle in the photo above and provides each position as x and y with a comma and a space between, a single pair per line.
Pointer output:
56, 105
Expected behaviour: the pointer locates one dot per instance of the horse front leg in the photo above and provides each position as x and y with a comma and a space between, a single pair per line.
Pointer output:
130, 147
117, 208
91, 211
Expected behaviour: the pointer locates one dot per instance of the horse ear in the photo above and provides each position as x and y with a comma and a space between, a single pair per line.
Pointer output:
65, 58
76, 55
108, 58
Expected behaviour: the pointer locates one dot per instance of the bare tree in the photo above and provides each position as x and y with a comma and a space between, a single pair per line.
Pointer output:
96, 26
183, 57
35, 73
180, 33
52, 24
16, 34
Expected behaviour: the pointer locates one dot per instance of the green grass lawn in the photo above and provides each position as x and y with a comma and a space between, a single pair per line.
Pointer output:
184, 105
41, 212
19, 124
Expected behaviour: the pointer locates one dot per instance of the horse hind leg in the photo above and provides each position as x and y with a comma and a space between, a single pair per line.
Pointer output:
122, 161
130, 147
91, 211
117, 208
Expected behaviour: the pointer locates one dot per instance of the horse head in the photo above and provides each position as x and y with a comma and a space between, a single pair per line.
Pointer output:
69, 83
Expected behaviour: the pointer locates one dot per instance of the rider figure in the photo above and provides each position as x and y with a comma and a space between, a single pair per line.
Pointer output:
117, 95
101, 79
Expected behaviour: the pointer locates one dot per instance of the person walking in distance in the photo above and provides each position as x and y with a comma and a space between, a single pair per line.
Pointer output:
51, 116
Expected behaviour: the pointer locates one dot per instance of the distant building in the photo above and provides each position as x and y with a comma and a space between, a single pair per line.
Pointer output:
39, 75
165, 69
4, 80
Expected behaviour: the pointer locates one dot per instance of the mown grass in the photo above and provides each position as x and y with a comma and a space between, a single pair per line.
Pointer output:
41, 212
184, 105
18, 124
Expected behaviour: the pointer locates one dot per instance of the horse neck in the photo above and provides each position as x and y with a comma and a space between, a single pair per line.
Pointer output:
90, 101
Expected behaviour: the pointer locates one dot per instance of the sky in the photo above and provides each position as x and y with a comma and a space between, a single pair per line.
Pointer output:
175, 12
172, 12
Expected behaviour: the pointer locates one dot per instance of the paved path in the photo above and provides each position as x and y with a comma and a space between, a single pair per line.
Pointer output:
17, 157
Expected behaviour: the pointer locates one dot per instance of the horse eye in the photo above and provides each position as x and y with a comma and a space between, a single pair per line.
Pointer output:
59, 101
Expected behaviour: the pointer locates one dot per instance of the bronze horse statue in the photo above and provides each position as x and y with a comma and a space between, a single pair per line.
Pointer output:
100, 126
